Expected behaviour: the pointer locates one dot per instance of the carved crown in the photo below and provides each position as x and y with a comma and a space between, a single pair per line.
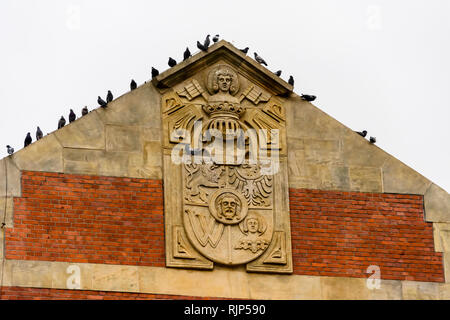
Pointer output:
225, 109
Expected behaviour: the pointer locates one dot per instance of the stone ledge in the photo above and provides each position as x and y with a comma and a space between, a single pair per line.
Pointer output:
222, 282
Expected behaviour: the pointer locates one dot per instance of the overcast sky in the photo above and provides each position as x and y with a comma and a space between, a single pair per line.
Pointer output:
383, 66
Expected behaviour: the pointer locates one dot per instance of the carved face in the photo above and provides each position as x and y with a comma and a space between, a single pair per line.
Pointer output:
252, 225
228, 207
224, 82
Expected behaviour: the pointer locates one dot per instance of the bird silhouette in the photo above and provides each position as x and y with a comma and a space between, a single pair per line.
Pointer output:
61, 122
9, 149
84, 111
187, 54
207, 42
362, 133
291, 80
101, 102
308, 97
278, 73
155, 72
133, 85
172, 62
72, 116
216, 38
244, 50
201, 47
260, 60
109, 97
28, 140
373, 139
39, 134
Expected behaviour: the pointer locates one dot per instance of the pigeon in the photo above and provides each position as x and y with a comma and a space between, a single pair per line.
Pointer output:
308, 97
201, 47
187, 54
362, 133
373, 139
291, 80
207, 42
216, 38
109, 97
28, 139
61, 122
155, 72
9, 149
39, 134
244, 50
260, 60
133, 85
278, 73
101, 102
72, 116
84, 111
172, 62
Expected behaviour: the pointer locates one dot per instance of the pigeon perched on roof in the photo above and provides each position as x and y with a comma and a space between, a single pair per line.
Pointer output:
39, 134
155, 72
291, 80
172, 62
9, 149
362, 133
260, 60
133, 85
308, 97
28, 140
109, 97
216, 38
244, 50
207, 42
373, 139
201, 47
278, 73
72, 116
101, 102
61, 122
84, 111
187, 54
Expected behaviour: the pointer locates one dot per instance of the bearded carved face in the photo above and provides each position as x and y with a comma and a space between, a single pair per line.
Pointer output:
228, 207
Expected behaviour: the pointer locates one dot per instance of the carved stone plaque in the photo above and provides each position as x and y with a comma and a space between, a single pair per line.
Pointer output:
225, 174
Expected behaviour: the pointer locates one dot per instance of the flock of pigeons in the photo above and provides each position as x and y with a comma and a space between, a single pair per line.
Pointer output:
172, 62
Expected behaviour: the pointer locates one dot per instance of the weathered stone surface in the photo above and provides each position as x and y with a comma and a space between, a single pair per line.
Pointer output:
87, 132
365, 179
140, 107
23, 273
115, 278
304, 120
43, 155
119, 138
114, 164
437, 204
63, 274
323, 151
420, 290
147, 164
8, 204
82, 161
358, 152
399, 178
10, 184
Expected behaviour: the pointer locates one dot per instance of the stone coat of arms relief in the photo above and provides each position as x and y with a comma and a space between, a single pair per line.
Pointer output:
225, 174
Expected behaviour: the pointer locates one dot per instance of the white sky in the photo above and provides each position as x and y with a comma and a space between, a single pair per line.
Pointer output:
383, 66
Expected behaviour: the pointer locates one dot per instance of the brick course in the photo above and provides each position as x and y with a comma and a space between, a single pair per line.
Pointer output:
111, 220
342, 233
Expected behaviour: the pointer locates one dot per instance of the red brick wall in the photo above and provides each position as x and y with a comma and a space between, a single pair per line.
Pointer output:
20, 293
342, 233
63, 217
75, 218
